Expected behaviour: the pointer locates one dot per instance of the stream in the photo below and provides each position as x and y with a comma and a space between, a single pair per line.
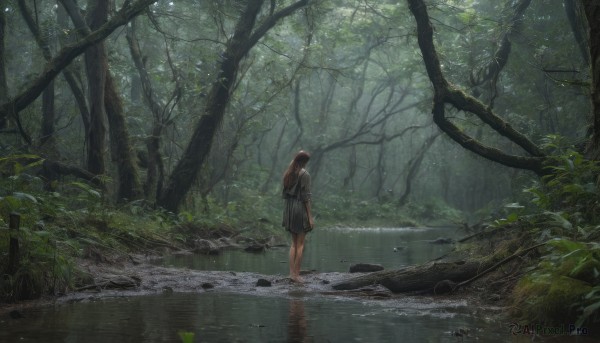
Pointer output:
333, 250
296, 315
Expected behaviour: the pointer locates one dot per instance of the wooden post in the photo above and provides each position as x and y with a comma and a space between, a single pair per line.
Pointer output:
13, 252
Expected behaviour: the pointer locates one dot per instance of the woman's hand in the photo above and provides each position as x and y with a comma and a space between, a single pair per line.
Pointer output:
311, 222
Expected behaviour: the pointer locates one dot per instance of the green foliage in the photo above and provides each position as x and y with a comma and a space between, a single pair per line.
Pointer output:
570, 185
186, 337
563, 286
43, 267
56, 226
565, 283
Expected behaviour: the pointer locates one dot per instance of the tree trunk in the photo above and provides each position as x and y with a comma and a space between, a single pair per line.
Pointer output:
274, 159
186, 170
47, 139
160, 113
352, 166
155, 168
107, 103
576, 15
71, 74
413, 167
380, 172
122, 151
297, 116
95, 60
592, 12
420, 278
3, 81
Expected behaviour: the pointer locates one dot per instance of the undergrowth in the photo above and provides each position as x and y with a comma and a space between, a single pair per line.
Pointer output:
74, 220
562, 286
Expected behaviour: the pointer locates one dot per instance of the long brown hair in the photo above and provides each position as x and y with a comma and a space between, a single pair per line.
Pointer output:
291, 173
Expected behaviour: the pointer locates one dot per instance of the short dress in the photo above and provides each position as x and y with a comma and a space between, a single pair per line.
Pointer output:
295, 218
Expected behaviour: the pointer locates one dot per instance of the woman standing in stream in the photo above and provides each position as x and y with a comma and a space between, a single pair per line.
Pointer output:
297, 218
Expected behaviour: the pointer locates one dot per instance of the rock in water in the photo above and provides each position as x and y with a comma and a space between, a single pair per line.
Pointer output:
207, 285
263, 283
14, 314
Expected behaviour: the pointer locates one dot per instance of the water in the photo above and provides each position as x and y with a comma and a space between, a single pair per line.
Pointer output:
225, 317
332, 250
294, 316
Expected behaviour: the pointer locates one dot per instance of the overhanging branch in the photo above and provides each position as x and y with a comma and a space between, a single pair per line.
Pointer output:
446, 93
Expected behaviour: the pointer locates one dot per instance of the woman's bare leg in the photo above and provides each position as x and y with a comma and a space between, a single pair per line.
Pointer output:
298, 256
293, 256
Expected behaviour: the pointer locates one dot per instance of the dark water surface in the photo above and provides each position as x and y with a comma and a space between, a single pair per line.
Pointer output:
225, 317
333, 250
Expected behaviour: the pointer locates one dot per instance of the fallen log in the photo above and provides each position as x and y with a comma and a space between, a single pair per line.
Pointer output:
435, 276
417, 278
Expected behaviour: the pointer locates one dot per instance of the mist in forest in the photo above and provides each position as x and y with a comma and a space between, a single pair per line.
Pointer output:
190, 104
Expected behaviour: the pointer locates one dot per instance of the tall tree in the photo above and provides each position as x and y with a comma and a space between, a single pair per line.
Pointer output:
129, 187
592, 13
95, 62
161, 113
3, 81
245, 37
71, 73
47, 139
106, 104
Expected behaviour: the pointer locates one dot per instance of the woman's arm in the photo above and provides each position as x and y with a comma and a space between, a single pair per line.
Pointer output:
307, 198
311, 222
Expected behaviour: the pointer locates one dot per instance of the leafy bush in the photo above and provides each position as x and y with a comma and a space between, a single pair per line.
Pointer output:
56, 226
570, 185
564, 286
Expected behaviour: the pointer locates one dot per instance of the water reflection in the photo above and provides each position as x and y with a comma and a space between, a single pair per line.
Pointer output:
297, 322
221, 317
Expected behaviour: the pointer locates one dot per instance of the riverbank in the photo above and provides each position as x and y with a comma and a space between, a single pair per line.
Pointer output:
142, 273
